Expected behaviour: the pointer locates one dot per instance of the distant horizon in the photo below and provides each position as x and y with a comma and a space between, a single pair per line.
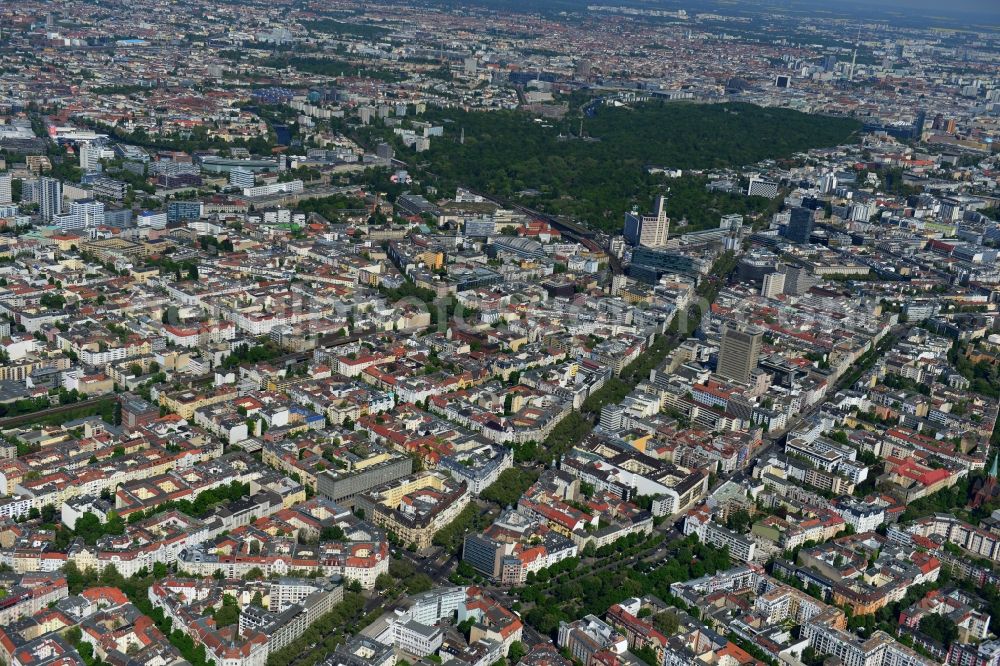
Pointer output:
929, 8
935, 13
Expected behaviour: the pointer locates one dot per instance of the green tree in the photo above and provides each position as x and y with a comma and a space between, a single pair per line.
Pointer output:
228, 613
384, 582
419, 583
515, 652
73, 635
509, 486
667, 622
89, 528
939, 628
48, 513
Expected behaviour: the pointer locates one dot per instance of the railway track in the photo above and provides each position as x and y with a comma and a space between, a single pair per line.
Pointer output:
570, 230
20, 419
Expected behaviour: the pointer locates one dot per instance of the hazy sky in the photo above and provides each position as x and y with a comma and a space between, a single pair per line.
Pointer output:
941, 8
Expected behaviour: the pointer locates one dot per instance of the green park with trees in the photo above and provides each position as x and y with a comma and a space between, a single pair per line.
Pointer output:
611, 574
600, 175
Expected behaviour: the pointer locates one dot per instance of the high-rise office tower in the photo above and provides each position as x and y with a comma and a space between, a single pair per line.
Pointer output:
798, 280
648, 230
612, 417
618, 282
738, 353
800, 225
918, 124
828, 183
49, 197
774, 285
6, 181
90, 157
29, 191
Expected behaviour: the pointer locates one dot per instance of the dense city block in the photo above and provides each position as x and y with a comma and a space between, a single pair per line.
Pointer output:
499, 333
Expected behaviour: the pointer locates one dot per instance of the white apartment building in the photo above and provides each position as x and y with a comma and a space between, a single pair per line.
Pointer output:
417, 639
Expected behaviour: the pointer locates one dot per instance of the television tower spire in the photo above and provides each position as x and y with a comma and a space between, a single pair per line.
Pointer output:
854, 55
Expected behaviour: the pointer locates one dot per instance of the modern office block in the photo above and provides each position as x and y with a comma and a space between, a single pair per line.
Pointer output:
738, 353
6, 182
759, 187
774, 285
800, 225
648, 230
49, 198
240, 177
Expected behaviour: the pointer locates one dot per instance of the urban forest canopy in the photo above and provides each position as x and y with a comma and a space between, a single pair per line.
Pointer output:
599, 177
